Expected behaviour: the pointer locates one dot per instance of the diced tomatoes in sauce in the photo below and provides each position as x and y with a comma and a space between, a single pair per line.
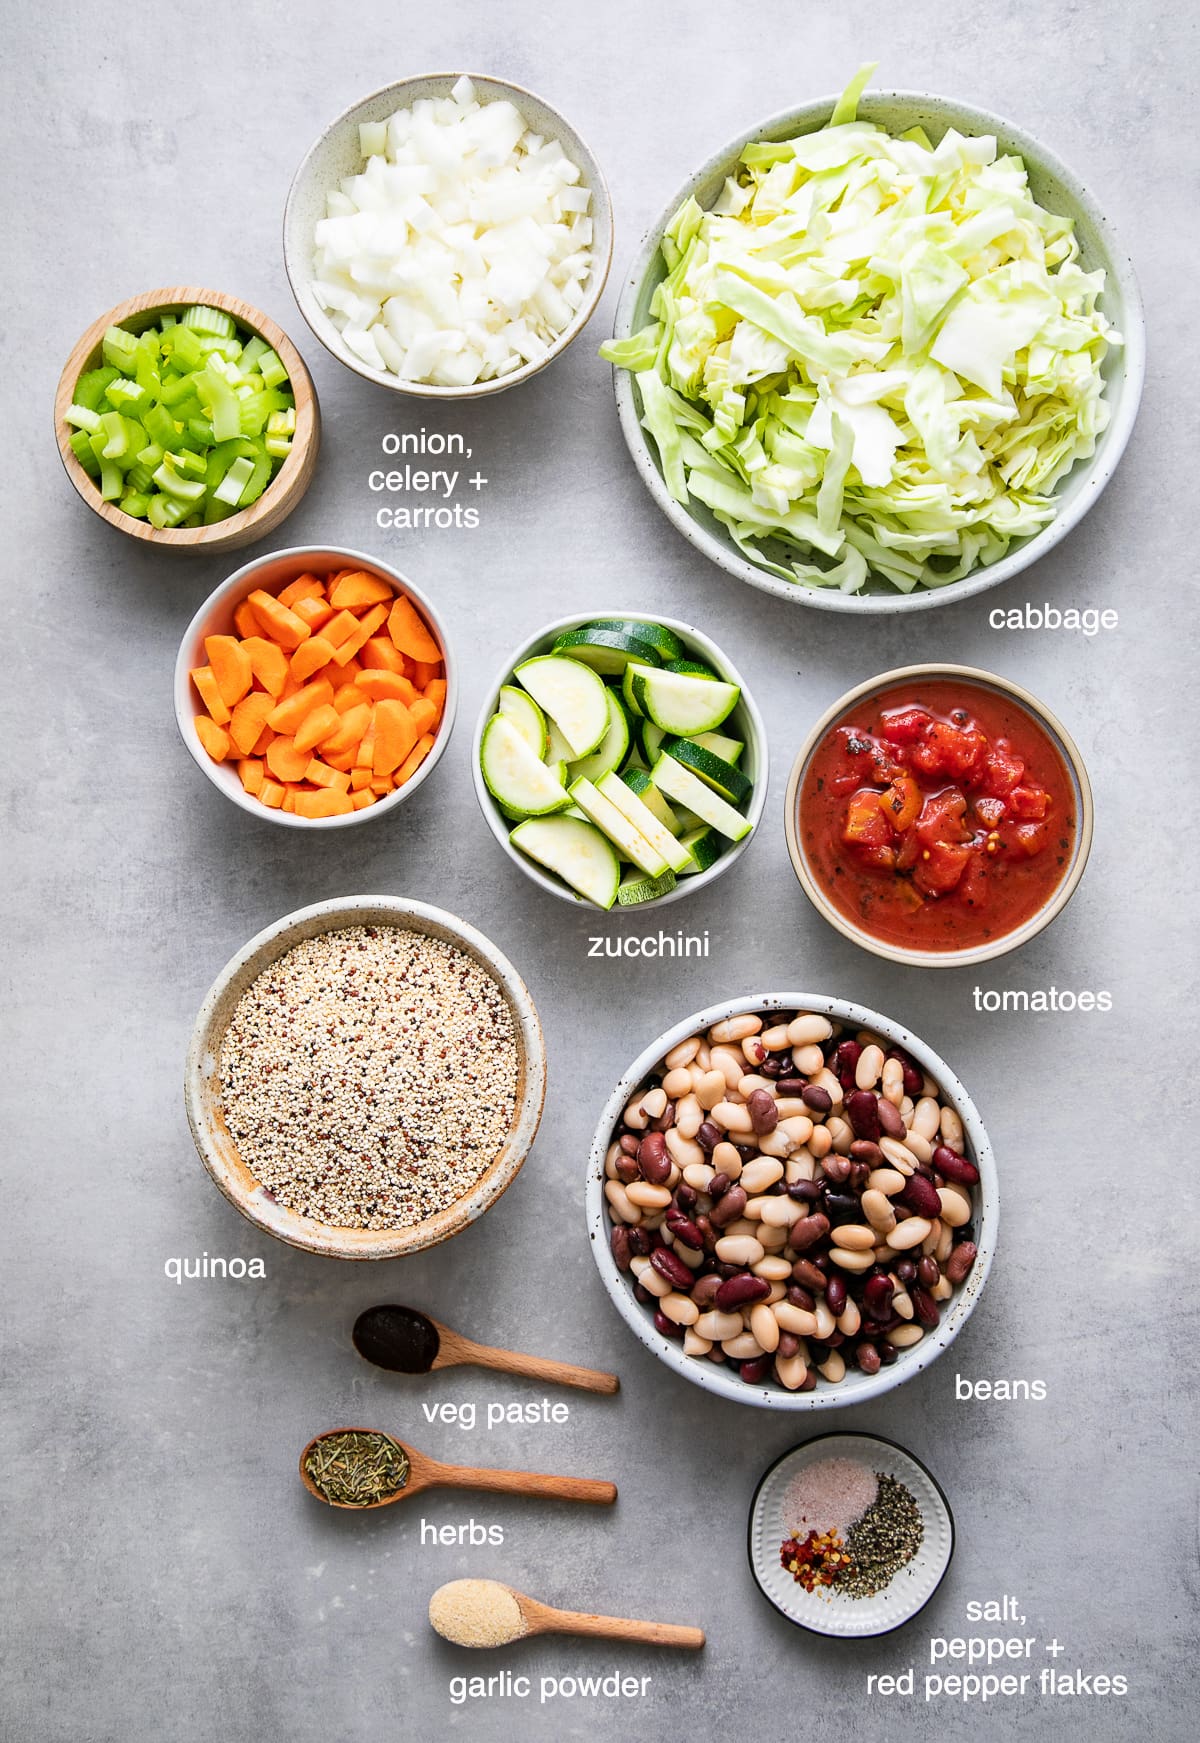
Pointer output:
938, 818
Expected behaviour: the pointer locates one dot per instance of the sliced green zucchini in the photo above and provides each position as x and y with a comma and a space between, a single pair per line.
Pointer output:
679, 702
644, 821
721, 776
526, 716
635, 888
679, 783
557, 749
516, 779
652, 738
611, 750
664, 641
691, 669
729, 749
620, 831
638, 781
704, 845
574, 848
607, 651
572, 695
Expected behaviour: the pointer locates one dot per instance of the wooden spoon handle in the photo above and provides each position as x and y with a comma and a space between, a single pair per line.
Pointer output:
539, 1368
618, 1628
524, 1483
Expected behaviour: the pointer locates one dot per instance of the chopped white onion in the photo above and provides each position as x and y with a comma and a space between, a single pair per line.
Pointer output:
462, 248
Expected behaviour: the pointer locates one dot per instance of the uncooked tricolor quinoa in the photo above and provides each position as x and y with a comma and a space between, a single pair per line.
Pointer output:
369, 1076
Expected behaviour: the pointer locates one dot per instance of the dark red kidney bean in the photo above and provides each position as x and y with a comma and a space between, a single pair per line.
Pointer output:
809, 1382
729, 1207
627, 1169
862, 1150
764, 1115
862, 1110
804, 1191
887, 1354
860, 1173
723, 1271
952, 1166
877, 1293
755, 1372
920, 1195
960, 1261
835, 1340
808, 1277
643, 1295
817, 1099
673, 1269
889, 1118
653, 1159
640, 1242
843, 1207
685, 1196
687, 1232
927, 1308
709, 1136
835, 1295
906, 1271
629, 1143
665, 1120
791, 1086
845, 1062
788, 1345
619, 1242
837, 1168
666, 1326
807, 1232
774, 1065
720, 1183
741, 1291
747, 1152
707, 1232
706, 1289
867, 1357
801, 1297
927, 1272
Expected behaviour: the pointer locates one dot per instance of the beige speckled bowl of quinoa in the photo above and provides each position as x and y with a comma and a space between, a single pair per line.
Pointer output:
366, 1077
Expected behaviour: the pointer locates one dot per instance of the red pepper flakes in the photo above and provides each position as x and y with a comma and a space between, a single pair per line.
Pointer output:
818, 1560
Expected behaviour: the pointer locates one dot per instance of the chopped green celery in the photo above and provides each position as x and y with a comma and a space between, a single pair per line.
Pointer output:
224, 407
166, 511
169, 320
127, 395
281, 427
92, 385
252, 415
278, 399
136, 503
234, 482
229, 349
185, 350
124, 437
202, 319
139, 477
120, 349
83, 452
201, 431
187, 463
112, 482
160, 426
175, 392
82, 418
215, 511
271, 369
151, 455
259, 479
255, 347
186, 490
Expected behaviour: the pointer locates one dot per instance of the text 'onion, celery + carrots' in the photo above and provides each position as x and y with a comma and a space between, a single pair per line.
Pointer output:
873, 356
185, 422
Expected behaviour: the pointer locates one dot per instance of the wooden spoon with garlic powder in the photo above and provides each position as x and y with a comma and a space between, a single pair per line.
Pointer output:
485, 1613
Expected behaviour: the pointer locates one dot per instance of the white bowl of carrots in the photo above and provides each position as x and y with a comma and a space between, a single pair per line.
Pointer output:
315, 687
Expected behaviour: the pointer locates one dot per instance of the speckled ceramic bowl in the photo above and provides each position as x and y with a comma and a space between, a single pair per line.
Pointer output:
336, 154
1055, 187
856, 1388
202, 1087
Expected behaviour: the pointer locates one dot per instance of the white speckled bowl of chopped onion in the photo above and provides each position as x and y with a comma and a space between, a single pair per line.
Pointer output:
448, 236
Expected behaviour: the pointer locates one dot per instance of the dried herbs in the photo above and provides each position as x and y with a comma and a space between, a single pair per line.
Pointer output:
356, 1467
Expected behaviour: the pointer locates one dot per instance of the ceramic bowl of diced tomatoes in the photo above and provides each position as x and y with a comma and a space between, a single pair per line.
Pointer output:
315, 687
939, 816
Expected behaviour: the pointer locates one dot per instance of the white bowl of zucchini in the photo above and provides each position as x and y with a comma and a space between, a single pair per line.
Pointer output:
620, 760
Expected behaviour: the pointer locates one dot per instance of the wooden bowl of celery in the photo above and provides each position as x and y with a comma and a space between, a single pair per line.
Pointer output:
226, 521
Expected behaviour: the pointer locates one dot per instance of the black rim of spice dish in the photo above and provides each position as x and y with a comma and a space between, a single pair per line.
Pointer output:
875, 1440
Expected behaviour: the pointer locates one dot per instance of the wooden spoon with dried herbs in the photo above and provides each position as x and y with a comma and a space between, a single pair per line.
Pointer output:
361, 1468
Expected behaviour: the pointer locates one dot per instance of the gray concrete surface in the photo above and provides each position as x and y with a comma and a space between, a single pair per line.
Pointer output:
164, 1575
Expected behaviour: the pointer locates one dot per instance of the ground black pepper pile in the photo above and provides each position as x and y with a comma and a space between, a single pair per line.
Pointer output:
883, 1541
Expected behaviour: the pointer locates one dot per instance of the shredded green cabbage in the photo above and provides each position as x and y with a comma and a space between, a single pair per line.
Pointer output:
877, 353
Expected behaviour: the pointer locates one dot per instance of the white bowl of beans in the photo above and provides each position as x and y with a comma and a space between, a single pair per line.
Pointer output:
792, 1201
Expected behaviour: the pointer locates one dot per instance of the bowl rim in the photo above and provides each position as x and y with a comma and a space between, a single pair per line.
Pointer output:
684, 886
361, 1244
240, 585
290, 482
1097, 470
718, 1380
876, 1440
323, 328
975, 954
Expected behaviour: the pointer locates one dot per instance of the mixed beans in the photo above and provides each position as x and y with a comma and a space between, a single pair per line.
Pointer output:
790, 1199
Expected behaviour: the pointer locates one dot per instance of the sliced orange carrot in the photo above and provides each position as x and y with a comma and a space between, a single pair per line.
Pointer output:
424, 715
321, 775
395, 736
342, 760
340, 628
348, 732
268, 662
310, 656
349, 696
378, 685
271, 794
244, 620
359, 778
383, 784
435, 690
263, 742
303, 587
314, 612
315, 727
323, 804
252, 774
373, 619
249, 718
362, 799
354, 588
412, 763
340, 676
282, 625
289, 799
214, 738
410, 632
287, 715
285, 762
364, 756
206, 684
381, 654
230, 665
